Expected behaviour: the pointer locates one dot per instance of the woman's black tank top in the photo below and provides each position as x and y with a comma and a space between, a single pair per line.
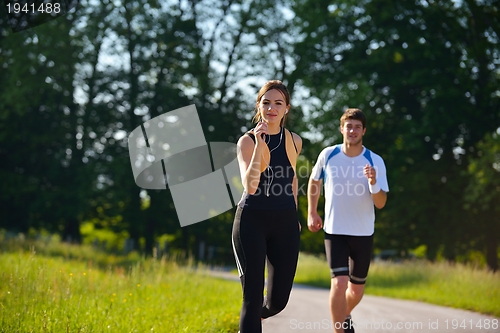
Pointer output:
275, 187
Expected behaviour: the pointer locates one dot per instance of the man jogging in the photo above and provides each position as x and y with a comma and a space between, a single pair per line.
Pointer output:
355, 181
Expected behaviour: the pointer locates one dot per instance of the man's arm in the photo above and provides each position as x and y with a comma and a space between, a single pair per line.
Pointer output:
379, 196
379, 199
314, 221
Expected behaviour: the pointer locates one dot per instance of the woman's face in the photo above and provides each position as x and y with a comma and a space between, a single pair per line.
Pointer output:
272, 106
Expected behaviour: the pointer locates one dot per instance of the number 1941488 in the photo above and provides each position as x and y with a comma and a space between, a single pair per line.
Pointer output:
48, 8
481, 324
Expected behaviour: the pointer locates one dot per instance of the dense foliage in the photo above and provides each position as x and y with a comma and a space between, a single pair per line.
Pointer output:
426, 73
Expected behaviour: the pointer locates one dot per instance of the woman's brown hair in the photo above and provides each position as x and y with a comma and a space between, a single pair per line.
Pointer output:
270, 85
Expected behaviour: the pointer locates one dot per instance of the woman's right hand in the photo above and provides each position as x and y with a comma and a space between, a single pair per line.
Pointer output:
259, 132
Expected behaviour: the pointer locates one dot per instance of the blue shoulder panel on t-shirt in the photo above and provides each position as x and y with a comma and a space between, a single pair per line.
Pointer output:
334, 152
368, 156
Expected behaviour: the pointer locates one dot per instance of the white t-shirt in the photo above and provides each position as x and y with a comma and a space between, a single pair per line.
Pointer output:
349, 208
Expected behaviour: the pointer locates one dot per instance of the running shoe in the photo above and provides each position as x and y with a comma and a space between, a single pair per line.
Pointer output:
348, 325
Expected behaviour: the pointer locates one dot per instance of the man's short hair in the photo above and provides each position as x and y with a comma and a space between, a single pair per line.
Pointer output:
353, 113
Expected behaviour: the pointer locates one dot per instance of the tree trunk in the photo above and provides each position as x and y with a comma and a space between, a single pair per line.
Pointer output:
71, 232
492, 252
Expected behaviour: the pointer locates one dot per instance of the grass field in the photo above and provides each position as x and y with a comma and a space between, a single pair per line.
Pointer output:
454, 285
54, 287
77, 289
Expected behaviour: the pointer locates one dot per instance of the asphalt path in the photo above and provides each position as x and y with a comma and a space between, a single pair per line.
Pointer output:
308, 311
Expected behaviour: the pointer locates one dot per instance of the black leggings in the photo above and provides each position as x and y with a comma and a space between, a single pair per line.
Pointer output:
257, 234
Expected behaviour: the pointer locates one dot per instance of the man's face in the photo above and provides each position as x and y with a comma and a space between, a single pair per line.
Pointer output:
353, 131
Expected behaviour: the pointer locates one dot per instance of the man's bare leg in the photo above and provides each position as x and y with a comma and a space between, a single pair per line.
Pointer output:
353, 295
338, 302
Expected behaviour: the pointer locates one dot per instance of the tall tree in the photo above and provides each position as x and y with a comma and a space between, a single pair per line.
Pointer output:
482, 197
420, 70
39, 150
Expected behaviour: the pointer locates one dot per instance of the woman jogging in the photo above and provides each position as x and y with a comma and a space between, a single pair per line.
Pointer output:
266, 223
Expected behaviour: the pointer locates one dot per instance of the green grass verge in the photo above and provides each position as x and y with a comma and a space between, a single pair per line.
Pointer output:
41, 293
454, 285
53, 287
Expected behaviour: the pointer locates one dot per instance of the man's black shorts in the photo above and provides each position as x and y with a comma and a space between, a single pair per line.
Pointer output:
340, 248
